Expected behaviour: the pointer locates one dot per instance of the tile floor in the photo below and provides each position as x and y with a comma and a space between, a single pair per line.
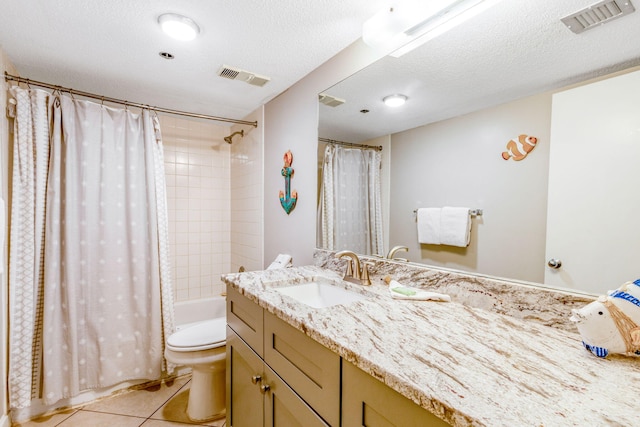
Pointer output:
156, 406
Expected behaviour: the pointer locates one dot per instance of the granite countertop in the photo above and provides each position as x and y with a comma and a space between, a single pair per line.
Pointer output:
469, 366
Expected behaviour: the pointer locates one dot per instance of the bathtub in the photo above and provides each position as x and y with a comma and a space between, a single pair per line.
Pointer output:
189, 312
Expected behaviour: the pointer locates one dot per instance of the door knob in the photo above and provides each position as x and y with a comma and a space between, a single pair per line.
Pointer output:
256, 379
554, 263
265, 388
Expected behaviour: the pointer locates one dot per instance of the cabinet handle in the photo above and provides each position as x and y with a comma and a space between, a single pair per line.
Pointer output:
256, 379
265, 388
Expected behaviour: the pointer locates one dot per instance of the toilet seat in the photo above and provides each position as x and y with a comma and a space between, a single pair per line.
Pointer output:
201, 336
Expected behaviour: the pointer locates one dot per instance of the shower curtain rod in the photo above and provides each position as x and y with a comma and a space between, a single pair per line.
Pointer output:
351, 144
9, 77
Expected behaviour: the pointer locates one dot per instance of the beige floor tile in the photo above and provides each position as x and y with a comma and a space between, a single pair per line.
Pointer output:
98, 419
175, 410
162, 423
47, 420
139, 403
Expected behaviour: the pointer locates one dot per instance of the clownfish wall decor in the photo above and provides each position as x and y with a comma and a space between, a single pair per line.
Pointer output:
518, 148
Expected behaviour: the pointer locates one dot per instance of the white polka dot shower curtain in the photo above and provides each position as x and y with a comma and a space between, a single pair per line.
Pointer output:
350, 206
90, 287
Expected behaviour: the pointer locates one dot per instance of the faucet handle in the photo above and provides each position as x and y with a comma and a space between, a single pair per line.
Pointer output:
349, 272
364, 277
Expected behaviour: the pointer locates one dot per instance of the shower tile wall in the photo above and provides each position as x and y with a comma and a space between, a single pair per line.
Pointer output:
198, 196
246, 197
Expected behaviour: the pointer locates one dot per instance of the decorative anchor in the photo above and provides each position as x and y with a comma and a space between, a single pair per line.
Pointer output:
289, 202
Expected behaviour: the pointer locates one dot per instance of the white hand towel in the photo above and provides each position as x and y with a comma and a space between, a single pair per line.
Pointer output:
455, 226
397, 291
428, 220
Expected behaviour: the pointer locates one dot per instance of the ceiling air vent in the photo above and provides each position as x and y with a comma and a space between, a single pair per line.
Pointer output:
597, 14
329, 100
245, 76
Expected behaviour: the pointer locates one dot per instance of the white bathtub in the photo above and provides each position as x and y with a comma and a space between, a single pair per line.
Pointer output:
188, 312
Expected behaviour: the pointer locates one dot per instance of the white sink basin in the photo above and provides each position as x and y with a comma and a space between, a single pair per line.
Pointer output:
320, 294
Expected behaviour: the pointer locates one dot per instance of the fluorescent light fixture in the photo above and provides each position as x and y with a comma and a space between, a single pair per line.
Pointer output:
406, 25
394, 100
179, 27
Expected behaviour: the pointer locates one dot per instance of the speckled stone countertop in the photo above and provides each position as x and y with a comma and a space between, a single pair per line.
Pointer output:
469, 366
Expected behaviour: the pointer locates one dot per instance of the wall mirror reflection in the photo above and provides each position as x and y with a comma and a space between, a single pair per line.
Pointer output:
516, 69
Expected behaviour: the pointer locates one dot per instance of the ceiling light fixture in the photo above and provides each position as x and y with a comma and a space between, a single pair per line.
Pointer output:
406, 25
179, 27
394, 100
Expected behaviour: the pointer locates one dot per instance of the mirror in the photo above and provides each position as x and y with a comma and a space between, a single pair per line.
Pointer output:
470, 91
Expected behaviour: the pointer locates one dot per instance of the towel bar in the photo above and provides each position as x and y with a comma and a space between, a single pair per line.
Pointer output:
472, 212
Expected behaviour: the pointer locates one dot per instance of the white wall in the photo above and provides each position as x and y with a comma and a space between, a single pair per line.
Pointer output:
291, 123
247, 200
457, 162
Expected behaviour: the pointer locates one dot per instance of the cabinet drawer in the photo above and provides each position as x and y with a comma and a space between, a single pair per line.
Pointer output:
368, 402
245, 318
309, 368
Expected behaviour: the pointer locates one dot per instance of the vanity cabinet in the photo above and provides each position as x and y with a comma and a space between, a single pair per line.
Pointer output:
368, 402
267, 360
279, 377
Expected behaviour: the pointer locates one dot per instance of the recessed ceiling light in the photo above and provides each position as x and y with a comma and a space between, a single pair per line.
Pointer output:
395, 100
179, 27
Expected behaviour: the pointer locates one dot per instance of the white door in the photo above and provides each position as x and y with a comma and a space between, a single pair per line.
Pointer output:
593, 221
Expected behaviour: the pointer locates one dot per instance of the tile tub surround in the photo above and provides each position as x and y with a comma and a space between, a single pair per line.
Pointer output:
470, 367
546, 306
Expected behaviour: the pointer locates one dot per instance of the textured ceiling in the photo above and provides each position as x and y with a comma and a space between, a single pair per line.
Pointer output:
111, 47
516, 49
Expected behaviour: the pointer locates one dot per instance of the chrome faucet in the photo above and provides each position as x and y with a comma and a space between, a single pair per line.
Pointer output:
395, 249
354, 273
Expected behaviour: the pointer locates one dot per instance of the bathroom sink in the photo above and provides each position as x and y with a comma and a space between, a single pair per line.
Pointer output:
319, 294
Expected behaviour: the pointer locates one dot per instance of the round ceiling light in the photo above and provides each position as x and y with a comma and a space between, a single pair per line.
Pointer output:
179, 27
394, 100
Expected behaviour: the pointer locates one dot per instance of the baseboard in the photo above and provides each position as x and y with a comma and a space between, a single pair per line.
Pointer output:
5, 421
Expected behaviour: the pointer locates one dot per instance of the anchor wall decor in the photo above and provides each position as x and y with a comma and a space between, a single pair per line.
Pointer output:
288, 198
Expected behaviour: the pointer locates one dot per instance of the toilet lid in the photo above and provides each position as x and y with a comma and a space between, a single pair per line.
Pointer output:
201, 336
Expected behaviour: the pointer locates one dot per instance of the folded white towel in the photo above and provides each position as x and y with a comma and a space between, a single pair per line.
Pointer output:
455, 226
428, 220
397, 291
281, 261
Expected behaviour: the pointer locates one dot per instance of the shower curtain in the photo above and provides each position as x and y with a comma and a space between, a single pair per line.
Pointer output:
90, 290
350, 208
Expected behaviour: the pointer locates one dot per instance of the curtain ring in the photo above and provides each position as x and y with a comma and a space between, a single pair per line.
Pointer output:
126, 106
102, 101
71, 93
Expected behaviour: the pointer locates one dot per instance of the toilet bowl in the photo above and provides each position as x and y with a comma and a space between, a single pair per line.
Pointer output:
201, 347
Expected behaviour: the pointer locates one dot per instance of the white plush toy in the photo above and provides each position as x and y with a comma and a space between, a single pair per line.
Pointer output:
610, 324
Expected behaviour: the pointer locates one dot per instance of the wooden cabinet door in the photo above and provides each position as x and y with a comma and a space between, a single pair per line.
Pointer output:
244, 398
284, 408
366, 402
308, 367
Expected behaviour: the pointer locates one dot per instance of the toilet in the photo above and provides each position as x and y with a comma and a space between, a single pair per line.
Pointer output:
201, 347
